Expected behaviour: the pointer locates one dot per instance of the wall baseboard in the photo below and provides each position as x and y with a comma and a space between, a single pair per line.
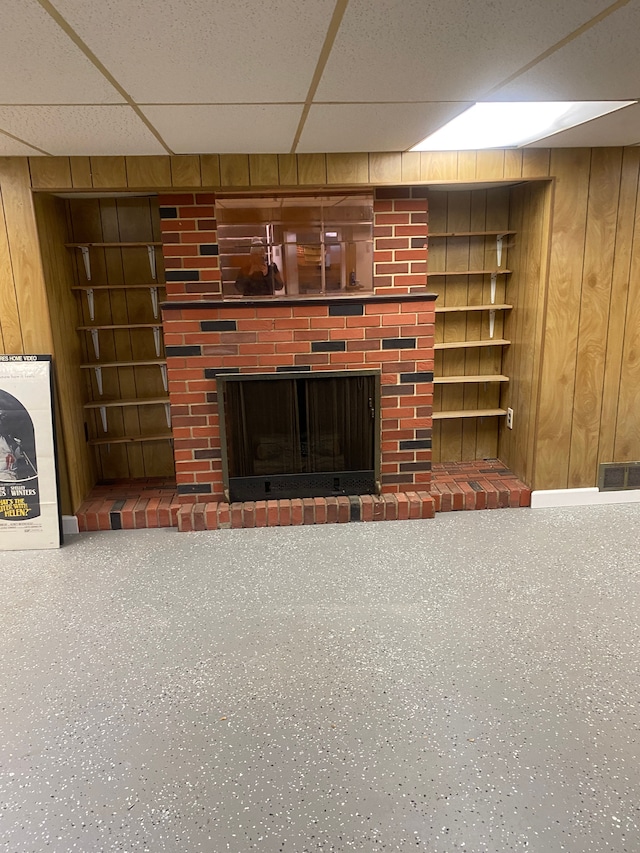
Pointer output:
70, 525
544, 498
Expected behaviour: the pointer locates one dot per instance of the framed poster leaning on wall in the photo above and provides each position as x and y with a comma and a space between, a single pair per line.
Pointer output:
29, 506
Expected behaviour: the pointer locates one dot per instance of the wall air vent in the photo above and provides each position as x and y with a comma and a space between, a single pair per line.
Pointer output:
614, 476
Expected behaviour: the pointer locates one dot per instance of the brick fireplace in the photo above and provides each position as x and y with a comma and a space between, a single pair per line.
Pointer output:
389, 331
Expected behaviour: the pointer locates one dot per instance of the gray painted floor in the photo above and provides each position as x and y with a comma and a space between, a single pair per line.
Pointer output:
469, 683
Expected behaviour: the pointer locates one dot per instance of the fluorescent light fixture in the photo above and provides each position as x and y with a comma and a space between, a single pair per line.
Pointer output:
511, 124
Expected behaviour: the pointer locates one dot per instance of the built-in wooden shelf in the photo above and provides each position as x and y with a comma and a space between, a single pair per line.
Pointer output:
113, 245
122, 326
131, 439
141, 363
138, 401
491, 342
470, 233
446, 309
469, 272
459, 380
85, 287
470, 413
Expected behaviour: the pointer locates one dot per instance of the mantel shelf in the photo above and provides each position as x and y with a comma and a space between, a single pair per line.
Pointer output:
130, 439
446, 309
469, 272
491, 342
138, 401
470, 233
113, 245
459, 380
142, 363
470, 413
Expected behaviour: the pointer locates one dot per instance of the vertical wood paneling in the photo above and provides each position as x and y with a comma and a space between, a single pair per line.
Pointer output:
287, 170
385, 168
79, 470
10, 331
185, 171
24, 252
347, 168
438, 165
109, 172
490, 165
210, 170
604, 185
263, 170
147, 172
234, 170
624, 242
50, 172
467, 165
536, 162
312, 169
553, 446
513, 163
80, 173
410, 166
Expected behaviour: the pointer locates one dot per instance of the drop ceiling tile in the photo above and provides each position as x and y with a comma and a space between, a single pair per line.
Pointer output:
73, 130
619, 128
372, 127
602, 64
12, 148
394, 50
196, 51
39, 64
226, 129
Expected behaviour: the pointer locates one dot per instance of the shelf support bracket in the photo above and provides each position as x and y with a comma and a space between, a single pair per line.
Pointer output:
492, 323
91, 304
499, 239
103, 416
167, 411
153, 292
494, 281
163, 372
98, 373
96, 342
152, 260
156, 339
86, 260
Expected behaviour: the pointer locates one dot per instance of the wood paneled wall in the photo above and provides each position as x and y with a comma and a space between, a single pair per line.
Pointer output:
575, 368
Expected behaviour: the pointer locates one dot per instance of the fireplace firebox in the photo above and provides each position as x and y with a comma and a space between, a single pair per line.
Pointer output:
298, 435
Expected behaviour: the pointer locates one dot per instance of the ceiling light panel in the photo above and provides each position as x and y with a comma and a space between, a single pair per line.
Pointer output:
619, 128
74, 130
602, 64
39, 64
196, 51
410, 50
371, 127
254, 129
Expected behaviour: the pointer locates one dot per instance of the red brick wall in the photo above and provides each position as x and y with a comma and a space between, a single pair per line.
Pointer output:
190, 243
394, 334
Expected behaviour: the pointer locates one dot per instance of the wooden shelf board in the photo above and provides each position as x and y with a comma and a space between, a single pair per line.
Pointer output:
124, 363
456, 380
138, 401
130, 439
121, 326
445, 309
470, 413
470, 233
112, 245
492, 342
469, 272
118, 286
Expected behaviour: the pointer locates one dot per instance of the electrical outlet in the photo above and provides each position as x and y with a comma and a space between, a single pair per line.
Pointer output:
509, 418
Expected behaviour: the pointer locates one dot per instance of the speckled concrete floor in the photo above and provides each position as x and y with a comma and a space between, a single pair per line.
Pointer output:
468, 683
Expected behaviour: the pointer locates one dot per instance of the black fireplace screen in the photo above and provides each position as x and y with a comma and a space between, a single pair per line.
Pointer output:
300, 436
